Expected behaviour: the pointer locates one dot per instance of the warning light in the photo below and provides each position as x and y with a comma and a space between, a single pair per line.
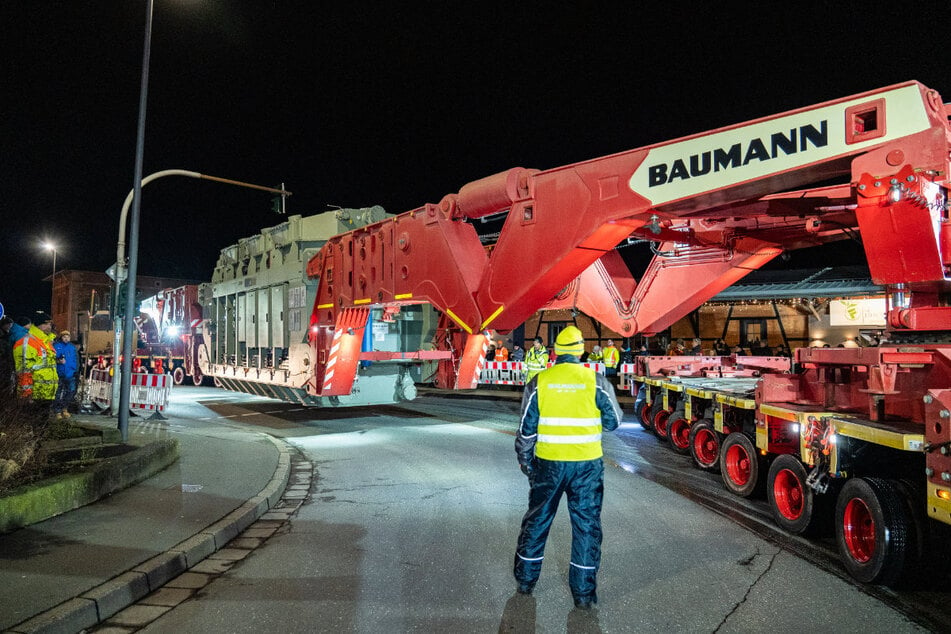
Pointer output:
944, 494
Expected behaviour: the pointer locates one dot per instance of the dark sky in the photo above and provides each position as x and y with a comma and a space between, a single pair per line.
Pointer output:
390, 103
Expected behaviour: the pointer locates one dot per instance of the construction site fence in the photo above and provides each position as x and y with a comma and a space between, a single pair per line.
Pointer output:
147, 392
513, 372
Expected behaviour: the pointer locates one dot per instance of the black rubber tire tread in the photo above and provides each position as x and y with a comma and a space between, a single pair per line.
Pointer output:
893, 531
755, 484
656, 405
699, 426
644, 416
814, 507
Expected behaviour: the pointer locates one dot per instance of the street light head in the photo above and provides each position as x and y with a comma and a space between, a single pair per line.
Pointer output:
49, 246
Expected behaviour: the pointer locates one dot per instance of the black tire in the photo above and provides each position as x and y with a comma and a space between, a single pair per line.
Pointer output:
741, 467
873, 530
705, 443
644, 416
796, 507
657, 406
678, 432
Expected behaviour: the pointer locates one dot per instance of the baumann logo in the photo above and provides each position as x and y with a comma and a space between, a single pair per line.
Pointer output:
740, 154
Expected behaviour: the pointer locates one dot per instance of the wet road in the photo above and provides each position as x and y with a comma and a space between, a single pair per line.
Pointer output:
411, 522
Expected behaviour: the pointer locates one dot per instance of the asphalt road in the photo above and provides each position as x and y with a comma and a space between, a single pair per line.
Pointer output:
411, 524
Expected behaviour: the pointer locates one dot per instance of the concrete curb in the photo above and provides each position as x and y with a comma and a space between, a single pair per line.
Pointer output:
98, 604
37, 502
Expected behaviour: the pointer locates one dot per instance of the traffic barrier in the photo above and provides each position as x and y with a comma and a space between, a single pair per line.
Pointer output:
150, 392
513, 372
99, 387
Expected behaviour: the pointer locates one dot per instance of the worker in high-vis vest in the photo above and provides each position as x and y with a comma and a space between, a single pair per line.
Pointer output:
34, 360
536, 359
564, 410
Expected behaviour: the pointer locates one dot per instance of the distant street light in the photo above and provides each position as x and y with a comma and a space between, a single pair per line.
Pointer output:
49, 246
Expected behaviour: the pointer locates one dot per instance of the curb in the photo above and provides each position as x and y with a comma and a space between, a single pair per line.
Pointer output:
101, 602
37, 502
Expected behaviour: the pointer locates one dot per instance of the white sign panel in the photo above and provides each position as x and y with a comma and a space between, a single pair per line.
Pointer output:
857, 312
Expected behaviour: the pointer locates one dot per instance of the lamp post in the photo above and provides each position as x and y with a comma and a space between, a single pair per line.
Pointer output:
49, 246
118, 403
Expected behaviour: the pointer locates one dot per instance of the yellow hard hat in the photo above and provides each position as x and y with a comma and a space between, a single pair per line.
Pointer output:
569, 341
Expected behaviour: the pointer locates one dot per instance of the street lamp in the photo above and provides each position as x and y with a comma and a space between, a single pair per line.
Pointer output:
49, 246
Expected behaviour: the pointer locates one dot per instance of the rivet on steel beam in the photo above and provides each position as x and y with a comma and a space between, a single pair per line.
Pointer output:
944, 413
929, 471
944, 450
946, 476
927, 398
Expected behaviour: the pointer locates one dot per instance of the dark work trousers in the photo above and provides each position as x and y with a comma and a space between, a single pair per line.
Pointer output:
583, 484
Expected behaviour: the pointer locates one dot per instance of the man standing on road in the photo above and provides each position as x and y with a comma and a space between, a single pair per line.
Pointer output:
564, 410
536, 359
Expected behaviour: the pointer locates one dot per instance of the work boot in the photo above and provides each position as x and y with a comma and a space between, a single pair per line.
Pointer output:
585, 603
525, 588
66, 414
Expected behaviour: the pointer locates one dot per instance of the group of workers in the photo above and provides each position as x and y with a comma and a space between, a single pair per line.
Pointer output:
38, 366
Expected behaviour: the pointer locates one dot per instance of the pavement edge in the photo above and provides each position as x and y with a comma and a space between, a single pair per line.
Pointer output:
101, 602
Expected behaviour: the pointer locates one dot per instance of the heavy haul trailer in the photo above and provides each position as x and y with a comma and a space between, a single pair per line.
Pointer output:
829, 445
712, 206
257, 319
170, 337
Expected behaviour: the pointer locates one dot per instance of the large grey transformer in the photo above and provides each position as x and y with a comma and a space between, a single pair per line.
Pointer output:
257, 312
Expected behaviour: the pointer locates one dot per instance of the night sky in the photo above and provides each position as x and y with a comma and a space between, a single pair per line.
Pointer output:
390, 103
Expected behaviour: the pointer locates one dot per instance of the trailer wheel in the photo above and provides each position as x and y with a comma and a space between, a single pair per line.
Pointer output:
705, 445
872, 530
656, 407
660, 423
740, 465
678, 433
644, 415
796, 507
178, 375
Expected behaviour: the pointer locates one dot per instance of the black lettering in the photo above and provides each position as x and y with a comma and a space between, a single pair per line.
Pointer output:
678, 170
780, 141
657, 175
700, 170
726, 158
819, 138
757, 151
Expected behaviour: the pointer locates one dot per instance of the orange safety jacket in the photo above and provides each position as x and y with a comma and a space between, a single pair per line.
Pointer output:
35, 362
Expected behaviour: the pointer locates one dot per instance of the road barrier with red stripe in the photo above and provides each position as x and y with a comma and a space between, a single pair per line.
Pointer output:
513, 372
99, 387
148, 392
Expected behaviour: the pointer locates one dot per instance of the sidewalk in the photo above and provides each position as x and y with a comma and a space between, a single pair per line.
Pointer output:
74, 571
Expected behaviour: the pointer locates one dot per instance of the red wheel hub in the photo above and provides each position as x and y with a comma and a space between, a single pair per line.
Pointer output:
679, 432
660, 422
738, 465
705, 446
858, 528
788, 494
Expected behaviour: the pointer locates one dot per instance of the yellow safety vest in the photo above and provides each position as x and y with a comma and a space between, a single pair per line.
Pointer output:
569, 423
